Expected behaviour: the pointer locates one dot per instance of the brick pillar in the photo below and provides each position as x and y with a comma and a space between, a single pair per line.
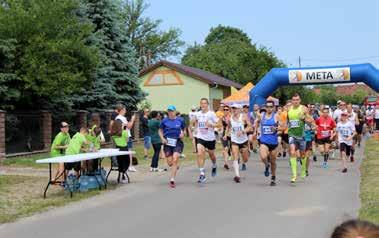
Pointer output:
46, 128
2, 135
81, 119
137, 125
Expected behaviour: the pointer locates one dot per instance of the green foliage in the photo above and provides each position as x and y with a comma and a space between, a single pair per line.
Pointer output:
229, 53
285, 93
145, 34
46, 51
116, 77
328, 96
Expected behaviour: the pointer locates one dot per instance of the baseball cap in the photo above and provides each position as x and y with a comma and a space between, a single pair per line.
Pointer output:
338, 102
236, 105
171, 108
193, 108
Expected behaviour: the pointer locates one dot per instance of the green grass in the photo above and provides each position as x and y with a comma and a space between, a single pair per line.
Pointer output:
21, 196
370, 182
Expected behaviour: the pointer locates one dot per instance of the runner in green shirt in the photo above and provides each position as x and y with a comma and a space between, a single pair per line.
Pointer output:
297, 115
59, 146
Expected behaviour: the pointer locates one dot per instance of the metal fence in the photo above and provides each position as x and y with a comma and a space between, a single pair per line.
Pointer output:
22, 132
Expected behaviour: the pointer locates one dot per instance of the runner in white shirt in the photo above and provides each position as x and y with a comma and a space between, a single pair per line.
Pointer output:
346, 133
370, 119
205, 121
238, 133
337, 113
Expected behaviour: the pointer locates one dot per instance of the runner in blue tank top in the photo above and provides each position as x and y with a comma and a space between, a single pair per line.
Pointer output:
269, 139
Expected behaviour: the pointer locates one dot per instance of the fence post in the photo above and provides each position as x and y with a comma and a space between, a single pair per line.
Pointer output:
81, 120
46, 128
136, 126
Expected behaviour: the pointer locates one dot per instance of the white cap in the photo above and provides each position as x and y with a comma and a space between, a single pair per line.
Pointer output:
193, 108
236, 105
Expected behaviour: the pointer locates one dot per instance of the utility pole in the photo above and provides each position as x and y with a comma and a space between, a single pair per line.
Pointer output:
299, 62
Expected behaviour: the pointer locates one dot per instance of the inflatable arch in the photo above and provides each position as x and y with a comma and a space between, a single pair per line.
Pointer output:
277, 77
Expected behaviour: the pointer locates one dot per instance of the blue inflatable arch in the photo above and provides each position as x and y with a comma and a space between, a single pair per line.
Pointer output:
277, 77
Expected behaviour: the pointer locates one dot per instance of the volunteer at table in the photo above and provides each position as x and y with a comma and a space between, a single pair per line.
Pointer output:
59, 146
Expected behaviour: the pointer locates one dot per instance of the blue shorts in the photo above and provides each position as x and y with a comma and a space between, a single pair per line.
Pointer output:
299, 143
130, 143
147, 142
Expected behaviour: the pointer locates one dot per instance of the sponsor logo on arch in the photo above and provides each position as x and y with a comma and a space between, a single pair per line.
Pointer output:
323, 75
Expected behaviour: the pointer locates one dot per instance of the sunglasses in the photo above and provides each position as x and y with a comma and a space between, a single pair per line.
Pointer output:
269, 106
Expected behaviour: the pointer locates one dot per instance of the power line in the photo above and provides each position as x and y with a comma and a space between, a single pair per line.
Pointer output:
336, 60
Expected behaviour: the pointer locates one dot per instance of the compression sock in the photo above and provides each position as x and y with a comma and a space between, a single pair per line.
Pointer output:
202, 171
293, 162
236, 168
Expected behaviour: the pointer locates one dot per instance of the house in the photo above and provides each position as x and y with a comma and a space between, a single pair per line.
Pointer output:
169, 83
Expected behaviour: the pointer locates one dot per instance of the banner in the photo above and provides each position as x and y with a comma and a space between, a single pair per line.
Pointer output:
326, 75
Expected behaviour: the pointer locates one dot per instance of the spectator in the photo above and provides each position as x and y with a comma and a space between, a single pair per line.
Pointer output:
153, 124
356, 229
145, 133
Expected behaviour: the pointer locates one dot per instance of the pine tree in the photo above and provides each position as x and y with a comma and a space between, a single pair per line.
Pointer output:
116, 79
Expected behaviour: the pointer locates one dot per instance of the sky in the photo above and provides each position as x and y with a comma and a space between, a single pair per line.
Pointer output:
322, 33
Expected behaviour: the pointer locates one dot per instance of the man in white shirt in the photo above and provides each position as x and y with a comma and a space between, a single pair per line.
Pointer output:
370, 119
205, 122
341, 108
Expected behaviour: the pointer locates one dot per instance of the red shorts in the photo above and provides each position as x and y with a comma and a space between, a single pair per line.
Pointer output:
370, 122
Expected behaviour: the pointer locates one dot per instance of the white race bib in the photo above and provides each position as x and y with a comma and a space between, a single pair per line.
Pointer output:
267, 130
171, 142
294, 123
325, 134
345, 133
203, 128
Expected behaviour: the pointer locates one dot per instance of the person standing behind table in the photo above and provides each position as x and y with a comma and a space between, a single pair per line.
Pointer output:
146, 133
94, 139
120, 137
121, 110
154, 124
59, 146
76, 146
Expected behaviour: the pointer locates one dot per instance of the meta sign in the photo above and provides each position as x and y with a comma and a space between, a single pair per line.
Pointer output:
322, 75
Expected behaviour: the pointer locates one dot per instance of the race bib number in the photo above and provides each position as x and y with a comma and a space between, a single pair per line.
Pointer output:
171, 142
236, 129
325, 134
307, 127
203, 128
267, 130
345, 133
294, 123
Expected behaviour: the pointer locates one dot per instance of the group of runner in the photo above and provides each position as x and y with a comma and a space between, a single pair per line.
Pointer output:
269, 130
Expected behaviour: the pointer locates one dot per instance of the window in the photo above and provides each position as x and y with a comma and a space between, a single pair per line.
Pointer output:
163, 77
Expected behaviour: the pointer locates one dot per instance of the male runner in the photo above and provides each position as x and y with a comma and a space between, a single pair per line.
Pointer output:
269, 122
296, 120
346, 132
353, 118
205, 121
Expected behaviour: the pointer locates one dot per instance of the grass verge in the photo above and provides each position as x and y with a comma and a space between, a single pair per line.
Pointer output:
370, 182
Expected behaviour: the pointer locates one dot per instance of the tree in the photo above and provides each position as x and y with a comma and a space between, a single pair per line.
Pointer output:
285, 93
228, 52
116, 77
145, 34
44, 45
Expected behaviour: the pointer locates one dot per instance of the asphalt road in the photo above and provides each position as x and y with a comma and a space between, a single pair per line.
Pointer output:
221, 208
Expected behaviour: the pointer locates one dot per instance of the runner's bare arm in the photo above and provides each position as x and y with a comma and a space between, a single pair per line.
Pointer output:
248, 127
160, 132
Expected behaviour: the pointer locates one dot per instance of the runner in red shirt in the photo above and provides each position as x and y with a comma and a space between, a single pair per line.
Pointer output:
325, 133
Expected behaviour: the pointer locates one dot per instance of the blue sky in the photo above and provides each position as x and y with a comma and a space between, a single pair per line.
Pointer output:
324, 32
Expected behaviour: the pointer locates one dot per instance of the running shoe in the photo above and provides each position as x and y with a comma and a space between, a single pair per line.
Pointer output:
279, 155
273, 183
284, 154
267, 171
214, 171
172, 184
243, 167
132, 169
293, 179
237, 179
307, 173
314, 158
202, 179
344, 170
352, 159
226, 166
255, 150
